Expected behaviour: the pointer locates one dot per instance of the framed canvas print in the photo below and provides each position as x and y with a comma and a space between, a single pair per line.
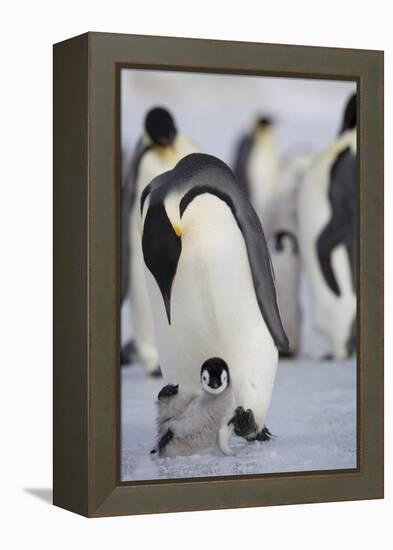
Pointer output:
218, 274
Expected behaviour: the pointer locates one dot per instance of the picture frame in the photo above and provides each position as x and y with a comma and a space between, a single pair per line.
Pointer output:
86, 427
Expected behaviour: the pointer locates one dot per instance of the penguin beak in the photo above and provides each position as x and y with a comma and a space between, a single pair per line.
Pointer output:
161, 247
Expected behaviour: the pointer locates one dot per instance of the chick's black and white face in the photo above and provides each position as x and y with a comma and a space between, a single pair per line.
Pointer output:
214, 376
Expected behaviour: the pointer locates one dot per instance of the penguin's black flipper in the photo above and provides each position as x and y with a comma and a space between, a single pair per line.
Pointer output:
164, 440
168, 391
341, 228
241, 163
128, 194
330, 237
262, 272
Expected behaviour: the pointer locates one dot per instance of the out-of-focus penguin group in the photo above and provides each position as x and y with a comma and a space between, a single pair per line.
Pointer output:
212, 258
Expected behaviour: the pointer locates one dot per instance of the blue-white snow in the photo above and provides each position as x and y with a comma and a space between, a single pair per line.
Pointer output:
312, 415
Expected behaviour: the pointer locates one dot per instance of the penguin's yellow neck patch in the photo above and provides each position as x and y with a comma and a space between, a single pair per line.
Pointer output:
177, 229
165, 152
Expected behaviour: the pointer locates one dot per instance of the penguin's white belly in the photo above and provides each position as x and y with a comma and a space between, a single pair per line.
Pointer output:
214, 310
263, 172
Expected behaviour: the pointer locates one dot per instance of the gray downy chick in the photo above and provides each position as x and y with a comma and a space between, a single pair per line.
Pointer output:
191, 423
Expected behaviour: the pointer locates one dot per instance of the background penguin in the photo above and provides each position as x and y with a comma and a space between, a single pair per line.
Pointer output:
191, 423
211, 284
284, 244
327, 235
285, 259
257, 168
160, 148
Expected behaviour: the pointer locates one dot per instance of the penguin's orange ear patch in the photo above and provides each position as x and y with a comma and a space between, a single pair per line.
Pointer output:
177, 229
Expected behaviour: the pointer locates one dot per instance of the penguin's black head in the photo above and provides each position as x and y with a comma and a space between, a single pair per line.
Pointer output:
349, 118
160, 126
214, 375
265, 121
280, 239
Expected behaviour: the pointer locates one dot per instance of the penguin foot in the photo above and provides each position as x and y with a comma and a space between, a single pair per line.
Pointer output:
168, 391
156, 373
165, 439
264, 435
128, 354
244, 423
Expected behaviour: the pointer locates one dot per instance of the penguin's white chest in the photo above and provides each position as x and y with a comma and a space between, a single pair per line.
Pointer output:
214, 310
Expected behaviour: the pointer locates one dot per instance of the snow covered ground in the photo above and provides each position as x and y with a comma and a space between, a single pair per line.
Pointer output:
313, 411
312, 415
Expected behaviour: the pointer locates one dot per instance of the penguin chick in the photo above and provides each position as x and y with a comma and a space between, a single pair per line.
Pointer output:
188, 424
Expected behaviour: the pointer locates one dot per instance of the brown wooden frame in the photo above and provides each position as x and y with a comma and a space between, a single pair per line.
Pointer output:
86, 267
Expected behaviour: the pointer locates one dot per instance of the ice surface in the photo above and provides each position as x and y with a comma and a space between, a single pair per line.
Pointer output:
312, 415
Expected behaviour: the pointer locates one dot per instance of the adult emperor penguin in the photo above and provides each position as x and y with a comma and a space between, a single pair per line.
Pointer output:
257, 168
211, 284
160, 148
327, 235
